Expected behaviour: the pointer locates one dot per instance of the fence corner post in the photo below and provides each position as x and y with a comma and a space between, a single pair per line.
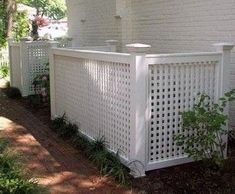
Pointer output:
112, 44
225, 49
138, 131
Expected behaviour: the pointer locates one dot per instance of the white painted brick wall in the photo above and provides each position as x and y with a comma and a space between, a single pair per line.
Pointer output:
169, 26
91, 22
183, 25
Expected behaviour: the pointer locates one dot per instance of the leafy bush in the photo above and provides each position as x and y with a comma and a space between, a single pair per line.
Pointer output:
13, 180
209, 125
13, 92
4, 70
20, 27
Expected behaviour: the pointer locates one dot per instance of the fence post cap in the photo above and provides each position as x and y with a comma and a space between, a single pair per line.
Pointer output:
138, 48
224, 46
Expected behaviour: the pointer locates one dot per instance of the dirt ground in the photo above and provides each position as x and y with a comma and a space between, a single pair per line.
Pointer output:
65, 170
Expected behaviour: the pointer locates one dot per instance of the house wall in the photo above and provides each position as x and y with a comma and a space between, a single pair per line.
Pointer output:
169, 26
183, 25
91, 22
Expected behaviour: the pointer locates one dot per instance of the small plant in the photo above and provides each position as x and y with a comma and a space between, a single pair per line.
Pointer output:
203, 129
13, 92
58, 122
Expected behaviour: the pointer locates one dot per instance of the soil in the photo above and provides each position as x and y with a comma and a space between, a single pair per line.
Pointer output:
184, 179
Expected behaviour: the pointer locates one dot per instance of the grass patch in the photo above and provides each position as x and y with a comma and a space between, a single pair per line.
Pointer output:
13, 179
108, 163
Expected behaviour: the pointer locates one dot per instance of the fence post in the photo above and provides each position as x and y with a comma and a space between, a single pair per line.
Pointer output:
139, 76
225, 49
112, 44
24, 67
52, 78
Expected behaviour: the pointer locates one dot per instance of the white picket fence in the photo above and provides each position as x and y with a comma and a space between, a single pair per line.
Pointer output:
134, 100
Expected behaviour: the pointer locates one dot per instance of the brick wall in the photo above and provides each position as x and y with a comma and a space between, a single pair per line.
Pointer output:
183, 25
91, 22
169, 26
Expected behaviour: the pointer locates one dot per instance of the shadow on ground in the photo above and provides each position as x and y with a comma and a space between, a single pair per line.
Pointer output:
53, 162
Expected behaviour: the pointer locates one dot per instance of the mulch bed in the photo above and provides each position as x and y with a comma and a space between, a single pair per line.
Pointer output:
185, 179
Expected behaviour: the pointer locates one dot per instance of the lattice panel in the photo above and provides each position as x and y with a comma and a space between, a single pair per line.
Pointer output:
96, 95
173, 88
37, 56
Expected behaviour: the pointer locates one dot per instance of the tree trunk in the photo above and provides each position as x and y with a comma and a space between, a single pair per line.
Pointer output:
10, 8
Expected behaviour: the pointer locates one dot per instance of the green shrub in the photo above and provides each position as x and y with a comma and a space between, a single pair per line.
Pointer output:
13, 92
209, 125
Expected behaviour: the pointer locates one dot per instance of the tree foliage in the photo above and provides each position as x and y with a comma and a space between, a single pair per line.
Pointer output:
55, 9
21, 26
2, 26
7, 10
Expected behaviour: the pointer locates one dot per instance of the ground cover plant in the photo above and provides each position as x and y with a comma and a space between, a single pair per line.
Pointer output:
13, 179
96, 150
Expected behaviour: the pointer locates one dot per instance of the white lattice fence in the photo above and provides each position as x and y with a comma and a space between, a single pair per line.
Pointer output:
94, 92
35, 59
27, 60
134, 100
174, 83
